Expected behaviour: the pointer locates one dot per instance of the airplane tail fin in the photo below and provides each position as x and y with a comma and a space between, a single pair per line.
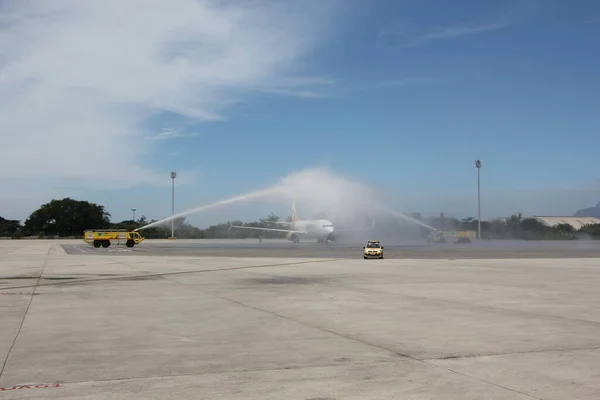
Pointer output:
294, 216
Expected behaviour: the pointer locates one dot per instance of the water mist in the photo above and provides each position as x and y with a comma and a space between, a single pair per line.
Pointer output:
314, 191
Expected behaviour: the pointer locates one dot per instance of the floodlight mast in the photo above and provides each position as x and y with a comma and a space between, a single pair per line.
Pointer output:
478, 166
173, 176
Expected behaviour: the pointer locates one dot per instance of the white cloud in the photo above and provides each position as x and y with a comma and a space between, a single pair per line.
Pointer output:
78, 79
401, 35
404, 39
401, 82
171, 133
457, 31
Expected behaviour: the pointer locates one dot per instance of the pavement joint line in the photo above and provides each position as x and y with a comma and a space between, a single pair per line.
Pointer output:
234, 371
348, 337
510, 353
24, 316
129, 277
485, 381
18, 293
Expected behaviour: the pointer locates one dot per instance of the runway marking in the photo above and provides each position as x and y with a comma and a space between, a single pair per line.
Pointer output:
76, 247
89, 250
38, 386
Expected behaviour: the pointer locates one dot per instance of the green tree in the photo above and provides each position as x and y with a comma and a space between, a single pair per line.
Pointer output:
9, 228
269, 222
589, 231
532, 225
67, 217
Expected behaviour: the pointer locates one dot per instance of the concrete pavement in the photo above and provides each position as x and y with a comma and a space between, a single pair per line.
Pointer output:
349, 249
150, 326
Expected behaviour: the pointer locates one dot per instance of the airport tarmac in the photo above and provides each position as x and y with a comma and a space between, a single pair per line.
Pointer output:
284, 248
81, 323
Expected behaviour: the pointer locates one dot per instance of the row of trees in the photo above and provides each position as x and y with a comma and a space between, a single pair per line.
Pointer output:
515, 227
69, 218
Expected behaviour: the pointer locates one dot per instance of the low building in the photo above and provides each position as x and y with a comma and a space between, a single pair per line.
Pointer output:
575, 222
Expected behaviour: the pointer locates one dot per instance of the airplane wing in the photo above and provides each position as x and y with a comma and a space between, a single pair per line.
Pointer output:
357, 229
279, 222
266, 229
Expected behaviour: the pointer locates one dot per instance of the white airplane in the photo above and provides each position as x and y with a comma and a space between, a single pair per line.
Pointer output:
320, 229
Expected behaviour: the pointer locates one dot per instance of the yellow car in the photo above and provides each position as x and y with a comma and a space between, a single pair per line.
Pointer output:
373, 249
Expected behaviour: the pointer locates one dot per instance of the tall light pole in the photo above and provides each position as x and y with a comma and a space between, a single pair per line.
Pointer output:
478, 166
133, 210
173, 176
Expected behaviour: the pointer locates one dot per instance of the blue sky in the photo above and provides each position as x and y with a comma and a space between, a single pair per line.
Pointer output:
405, 94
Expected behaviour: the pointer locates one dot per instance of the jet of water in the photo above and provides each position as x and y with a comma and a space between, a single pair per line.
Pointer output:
231, 200
314, 191
409, 218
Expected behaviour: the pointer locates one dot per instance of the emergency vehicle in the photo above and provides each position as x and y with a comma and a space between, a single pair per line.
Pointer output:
440, 236
373, 249
106, 238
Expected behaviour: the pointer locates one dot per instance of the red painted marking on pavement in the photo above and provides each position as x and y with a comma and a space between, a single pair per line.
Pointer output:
39, 386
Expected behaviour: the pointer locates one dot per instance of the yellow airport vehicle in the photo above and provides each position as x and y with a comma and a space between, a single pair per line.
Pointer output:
465, 236
105, 238
373, 249
439, 236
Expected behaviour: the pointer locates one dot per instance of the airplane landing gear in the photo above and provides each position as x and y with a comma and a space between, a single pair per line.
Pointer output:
325, 240
294, 238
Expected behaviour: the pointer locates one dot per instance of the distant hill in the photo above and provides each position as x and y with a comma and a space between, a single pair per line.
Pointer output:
589, 212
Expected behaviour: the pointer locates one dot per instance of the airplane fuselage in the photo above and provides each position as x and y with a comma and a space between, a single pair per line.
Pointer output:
296, 230
320, 229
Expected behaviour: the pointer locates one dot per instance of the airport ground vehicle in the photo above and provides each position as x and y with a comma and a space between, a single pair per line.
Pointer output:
439, 236
104, 238
373, 249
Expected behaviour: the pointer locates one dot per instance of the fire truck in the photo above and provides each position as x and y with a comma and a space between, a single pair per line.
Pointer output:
440, 236
106, 238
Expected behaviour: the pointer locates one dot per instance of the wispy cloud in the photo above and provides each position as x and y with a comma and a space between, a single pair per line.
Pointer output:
307, 94
454, 32
406, 40
300, 87
171, 133
422, 80
79, 79
389, 84
402, 36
